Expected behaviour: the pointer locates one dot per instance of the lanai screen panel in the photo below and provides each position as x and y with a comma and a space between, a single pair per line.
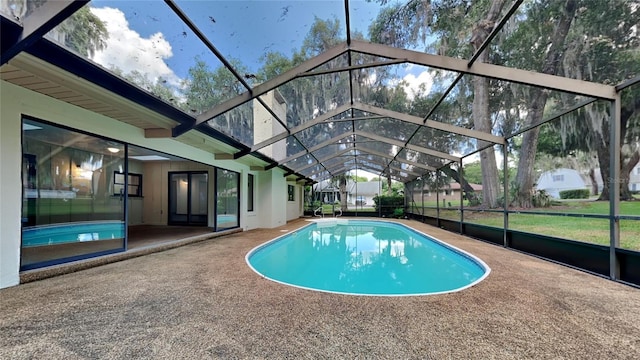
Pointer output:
262, 37
599, 37
322, 132
387, 127
429, 26
312, 96
428, 160
398, 87
444, 141
331, 149
373, 146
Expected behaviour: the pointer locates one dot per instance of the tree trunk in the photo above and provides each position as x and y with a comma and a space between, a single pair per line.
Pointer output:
594, 183
469, 192
481, 116
389, 190
538, 100
342, 186
524, 176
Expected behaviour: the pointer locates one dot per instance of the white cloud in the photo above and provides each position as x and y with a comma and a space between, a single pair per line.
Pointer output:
420, 85
128, 51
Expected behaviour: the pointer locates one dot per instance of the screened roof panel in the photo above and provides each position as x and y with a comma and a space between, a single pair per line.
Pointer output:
323, 132
389, 86
315, 169
443, 141
389, 25
339, 160
372, 146
392, 128
312, 96
515, 113
239, 122
330, 149
300, 161
424, 159
608, 30
251, 31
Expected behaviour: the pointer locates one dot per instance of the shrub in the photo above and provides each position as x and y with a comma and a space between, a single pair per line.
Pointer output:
398, 213
541, 198
388, 203
574, 194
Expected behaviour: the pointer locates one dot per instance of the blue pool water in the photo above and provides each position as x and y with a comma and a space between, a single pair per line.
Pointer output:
366, 258
72, 232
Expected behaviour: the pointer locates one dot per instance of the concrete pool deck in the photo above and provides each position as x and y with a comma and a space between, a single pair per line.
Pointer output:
202, 301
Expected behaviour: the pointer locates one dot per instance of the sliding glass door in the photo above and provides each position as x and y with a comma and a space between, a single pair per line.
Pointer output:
227, 199
188, 198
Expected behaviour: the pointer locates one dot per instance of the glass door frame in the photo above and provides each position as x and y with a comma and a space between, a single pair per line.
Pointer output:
189, 221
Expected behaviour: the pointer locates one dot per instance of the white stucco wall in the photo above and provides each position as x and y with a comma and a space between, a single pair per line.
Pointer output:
271, 199
10, 186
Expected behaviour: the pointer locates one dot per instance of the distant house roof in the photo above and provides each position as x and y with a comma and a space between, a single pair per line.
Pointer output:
456, 186
366, 188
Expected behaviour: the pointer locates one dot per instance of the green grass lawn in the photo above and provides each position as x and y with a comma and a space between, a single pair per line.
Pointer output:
590, 230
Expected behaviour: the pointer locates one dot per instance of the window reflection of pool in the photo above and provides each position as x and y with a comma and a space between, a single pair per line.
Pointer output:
72, 232
227, 220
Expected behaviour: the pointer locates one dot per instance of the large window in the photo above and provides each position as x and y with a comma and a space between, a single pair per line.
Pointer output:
69, 210
250, 193
227, 199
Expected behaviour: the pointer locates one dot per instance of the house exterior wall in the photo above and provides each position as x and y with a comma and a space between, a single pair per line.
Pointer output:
270, 190
271, 199
10, 185
553, 182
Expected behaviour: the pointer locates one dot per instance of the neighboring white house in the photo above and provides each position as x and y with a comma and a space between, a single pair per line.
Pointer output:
326, 192
555, 181
569, 179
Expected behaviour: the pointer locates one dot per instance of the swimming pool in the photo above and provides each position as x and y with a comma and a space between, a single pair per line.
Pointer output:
72, 232
364, 257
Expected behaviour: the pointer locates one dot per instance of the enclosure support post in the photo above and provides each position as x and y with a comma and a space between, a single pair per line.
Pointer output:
125, 210
460, 172
380, 195
614, 187
505, 185
422, 196
438, 197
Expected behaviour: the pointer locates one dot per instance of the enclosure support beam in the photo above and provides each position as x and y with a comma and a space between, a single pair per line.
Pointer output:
519, 76
401, 145
614, 188
404, 161
430, 123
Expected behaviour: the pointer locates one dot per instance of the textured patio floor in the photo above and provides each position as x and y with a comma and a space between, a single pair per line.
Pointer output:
202, 301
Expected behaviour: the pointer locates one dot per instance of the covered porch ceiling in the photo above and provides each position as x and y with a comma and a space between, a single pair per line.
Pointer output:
322, 107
